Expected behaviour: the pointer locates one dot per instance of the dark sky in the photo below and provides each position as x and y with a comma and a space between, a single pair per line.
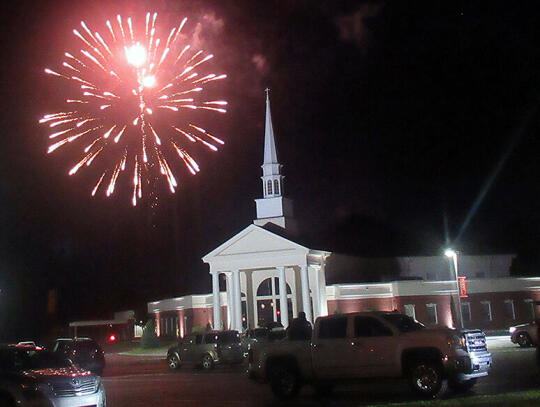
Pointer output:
389, 118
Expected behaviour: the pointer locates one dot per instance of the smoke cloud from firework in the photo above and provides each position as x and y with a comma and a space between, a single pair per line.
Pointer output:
135, 87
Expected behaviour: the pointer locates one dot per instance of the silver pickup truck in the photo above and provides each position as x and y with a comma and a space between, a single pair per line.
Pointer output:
373, 345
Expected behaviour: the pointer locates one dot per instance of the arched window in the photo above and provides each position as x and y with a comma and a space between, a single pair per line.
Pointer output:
276, 187
269, 187
267, 301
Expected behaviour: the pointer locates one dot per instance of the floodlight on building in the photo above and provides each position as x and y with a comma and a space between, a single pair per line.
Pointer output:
450, 253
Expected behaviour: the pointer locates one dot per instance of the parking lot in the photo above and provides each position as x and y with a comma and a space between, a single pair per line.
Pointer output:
146, 381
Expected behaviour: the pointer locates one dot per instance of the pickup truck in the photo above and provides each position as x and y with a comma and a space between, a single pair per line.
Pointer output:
373, 345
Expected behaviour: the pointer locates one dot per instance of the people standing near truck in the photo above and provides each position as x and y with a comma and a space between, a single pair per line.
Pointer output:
300, 328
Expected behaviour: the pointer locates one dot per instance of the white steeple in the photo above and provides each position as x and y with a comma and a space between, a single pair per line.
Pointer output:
272, 207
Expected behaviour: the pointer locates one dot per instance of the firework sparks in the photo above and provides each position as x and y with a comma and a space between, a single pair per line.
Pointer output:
135, 94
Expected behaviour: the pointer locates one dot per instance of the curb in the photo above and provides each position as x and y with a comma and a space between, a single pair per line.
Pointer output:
153, 355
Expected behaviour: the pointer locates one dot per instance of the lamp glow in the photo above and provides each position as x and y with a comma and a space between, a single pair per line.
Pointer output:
449, 253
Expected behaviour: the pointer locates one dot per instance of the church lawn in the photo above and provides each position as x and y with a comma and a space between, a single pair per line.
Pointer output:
521, 399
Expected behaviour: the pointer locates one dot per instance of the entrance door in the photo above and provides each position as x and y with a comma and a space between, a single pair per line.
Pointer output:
332, 349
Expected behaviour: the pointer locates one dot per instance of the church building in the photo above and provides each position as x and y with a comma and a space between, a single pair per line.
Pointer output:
270, 276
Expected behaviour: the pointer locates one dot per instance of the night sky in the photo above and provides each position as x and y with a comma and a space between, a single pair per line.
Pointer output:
390, 119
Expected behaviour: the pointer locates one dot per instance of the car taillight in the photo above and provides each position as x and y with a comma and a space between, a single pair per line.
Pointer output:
112, 338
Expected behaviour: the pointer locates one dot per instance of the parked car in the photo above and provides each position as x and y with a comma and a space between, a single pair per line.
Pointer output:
373, 345
524, 335
84, 352
31, 377
207, 350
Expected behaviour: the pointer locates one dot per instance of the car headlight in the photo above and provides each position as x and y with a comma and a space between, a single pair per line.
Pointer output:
512, 329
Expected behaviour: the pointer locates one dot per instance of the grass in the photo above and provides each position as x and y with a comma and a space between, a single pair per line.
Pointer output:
521, 399
160, 350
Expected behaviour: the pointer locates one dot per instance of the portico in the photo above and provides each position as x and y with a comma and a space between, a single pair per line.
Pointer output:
268, 278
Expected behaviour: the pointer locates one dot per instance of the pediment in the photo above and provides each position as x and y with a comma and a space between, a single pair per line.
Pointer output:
255, 240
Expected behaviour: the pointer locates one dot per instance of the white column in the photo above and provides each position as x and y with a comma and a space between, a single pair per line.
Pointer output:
230, 302
283, 305
322, 288
237, 298
316, 293
216, 302
306, 300
273, 300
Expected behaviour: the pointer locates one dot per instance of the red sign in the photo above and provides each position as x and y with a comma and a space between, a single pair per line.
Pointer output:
462, 286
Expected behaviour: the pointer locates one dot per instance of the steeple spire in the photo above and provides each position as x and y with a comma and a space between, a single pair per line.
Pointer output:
273, 207
270, 154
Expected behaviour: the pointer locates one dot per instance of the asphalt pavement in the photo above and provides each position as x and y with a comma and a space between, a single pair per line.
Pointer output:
146, 381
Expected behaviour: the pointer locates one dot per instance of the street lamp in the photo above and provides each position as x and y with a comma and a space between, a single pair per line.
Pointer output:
452, 254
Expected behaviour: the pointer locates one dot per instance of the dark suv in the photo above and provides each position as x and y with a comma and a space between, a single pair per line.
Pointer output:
207, 350
84, 352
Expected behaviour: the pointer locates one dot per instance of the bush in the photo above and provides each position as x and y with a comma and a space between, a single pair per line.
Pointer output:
149, 338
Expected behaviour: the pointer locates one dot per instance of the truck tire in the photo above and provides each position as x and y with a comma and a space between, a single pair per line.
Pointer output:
426, 379
173, 361
207, 362
284, 381
523, 340
461, 386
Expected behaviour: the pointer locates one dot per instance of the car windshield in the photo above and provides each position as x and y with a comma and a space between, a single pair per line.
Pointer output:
403, 322
26, 359
229, 337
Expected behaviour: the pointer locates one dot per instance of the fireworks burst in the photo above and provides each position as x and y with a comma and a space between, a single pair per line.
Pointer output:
134, 91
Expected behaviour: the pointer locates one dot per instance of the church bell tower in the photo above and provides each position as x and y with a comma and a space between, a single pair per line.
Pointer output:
273, 207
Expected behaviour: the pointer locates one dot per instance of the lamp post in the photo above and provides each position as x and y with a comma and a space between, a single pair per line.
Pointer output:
453, 255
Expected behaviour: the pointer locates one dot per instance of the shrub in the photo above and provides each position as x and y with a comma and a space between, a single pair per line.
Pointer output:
149, 338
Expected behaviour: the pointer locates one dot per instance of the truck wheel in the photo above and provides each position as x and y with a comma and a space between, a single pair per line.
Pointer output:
524, 340
426, 379
207, 362
173, 361
461, 386
285, 382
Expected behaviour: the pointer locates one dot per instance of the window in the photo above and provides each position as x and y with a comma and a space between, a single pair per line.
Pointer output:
466, 311
276, 187
485, 307
509, 309
403, 322
530, 308
365, 327
269, 187
409, 310
430, 276
333, 328
432, 313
